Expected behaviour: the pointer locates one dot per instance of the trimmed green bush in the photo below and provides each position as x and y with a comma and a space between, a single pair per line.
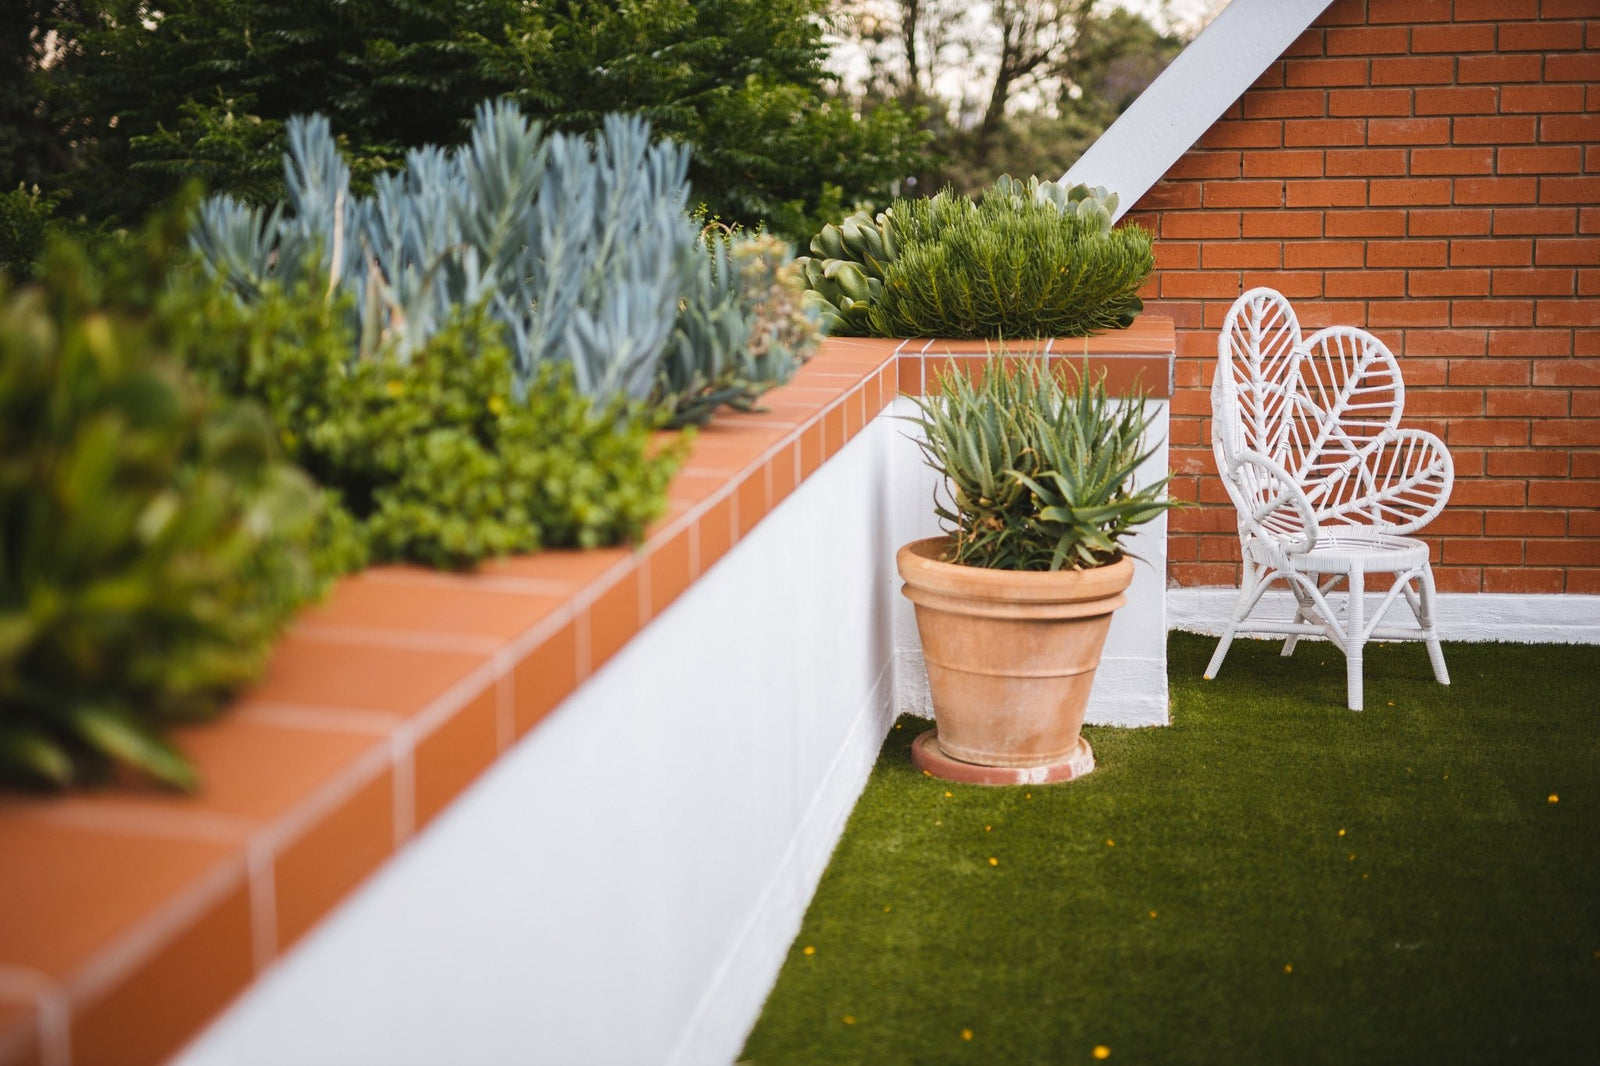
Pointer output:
1035, 259
434, 455
1039, 476
152, 544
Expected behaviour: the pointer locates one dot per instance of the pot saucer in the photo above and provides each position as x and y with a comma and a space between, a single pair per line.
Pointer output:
931, 759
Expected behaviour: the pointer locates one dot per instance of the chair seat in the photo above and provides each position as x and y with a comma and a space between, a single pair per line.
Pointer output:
1340, 551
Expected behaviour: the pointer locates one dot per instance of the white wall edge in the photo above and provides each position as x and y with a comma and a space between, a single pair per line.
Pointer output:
1472, 617
1191, 94
747, 973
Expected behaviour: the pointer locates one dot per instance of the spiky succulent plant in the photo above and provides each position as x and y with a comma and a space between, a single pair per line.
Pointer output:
1038, 476
1034, 258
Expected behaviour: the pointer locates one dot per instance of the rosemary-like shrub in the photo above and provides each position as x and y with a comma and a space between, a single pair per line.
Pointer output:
1008, 266
1038, 476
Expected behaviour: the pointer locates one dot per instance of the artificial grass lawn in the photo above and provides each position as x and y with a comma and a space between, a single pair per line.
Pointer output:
1271, 879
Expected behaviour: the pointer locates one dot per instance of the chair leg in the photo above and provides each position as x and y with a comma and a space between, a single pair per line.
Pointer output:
1302, 613
1430, 633
1355, 637
1241, 607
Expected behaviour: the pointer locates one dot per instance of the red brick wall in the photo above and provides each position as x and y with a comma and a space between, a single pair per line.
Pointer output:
1429, 170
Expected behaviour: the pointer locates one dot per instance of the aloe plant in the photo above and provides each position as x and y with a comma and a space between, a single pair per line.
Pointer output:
1037, 476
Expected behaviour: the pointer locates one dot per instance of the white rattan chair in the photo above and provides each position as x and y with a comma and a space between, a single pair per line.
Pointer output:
1307, 439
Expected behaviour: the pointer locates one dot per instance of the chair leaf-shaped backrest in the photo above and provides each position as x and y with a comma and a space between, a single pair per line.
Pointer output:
1257, 366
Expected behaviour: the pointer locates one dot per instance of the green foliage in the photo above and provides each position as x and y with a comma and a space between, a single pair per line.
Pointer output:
1039, 476
1009, 266
580, 249
151, 542
436, 457
1032, 259
149, 92
24, 221
742, 327
845, 272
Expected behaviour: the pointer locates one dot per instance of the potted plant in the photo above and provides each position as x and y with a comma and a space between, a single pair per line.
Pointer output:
1014, 602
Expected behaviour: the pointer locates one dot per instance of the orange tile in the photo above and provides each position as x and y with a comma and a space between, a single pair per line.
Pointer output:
812, 397
753, 500
448, 759
864, 348
715, 531
854, 414
669, 571
153, 1011
334, 855
546, 676
888, 378
56, 875
833, 434
820, 375
1124, 375
1149, 335
570, 565
663, 526
909, 375
412, 600
872, 395
613, 620
325, 672
727, 457
810, 449
1015, 346
19, 1035
781, 469
251, 770
692, 488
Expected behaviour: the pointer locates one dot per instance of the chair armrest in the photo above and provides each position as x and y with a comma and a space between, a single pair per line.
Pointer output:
1272, 507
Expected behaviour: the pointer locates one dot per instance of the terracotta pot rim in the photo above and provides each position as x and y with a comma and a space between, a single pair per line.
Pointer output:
921, 566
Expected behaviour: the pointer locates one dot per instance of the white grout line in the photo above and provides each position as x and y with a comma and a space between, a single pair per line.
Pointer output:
151, 934
52, 1014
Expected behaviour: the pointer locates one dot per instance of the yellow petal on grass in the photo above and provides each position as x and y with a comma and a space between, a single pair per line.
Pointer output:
849, 1019
1288, 967
1554, 798
1101, 1052
993, 861
966, 1034
1152, 914
1341, 832
947, 795
810, 950
1111, 843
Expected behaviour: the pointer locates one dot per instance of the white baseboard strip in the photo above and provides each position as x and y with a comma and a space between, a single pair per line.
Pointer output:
1473, 617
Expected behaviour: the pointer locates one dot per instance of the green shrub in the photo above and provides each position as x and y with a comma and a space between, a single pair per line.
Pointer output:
151, 542
1029, 260
1038, 475
24, 216
434, 455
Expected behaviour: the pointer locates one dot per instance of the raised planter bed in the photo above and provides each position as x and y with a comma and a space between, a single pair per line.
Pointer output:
129, 919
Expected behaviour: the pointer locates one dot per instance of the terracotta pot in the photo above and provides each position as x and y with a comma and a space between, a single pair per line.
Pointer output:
1011, 655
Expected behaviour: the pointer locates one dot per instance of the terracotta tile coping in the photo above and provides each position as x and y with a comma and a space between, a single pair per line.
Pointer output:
129, 918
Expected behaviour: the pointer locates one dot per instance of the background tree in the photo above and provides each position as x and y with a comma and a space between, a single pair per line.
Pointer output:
161, 91
1019, 86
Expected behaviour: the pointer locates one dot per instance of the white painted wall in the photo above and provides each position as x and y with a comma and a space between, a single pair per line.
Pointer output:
623, 885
